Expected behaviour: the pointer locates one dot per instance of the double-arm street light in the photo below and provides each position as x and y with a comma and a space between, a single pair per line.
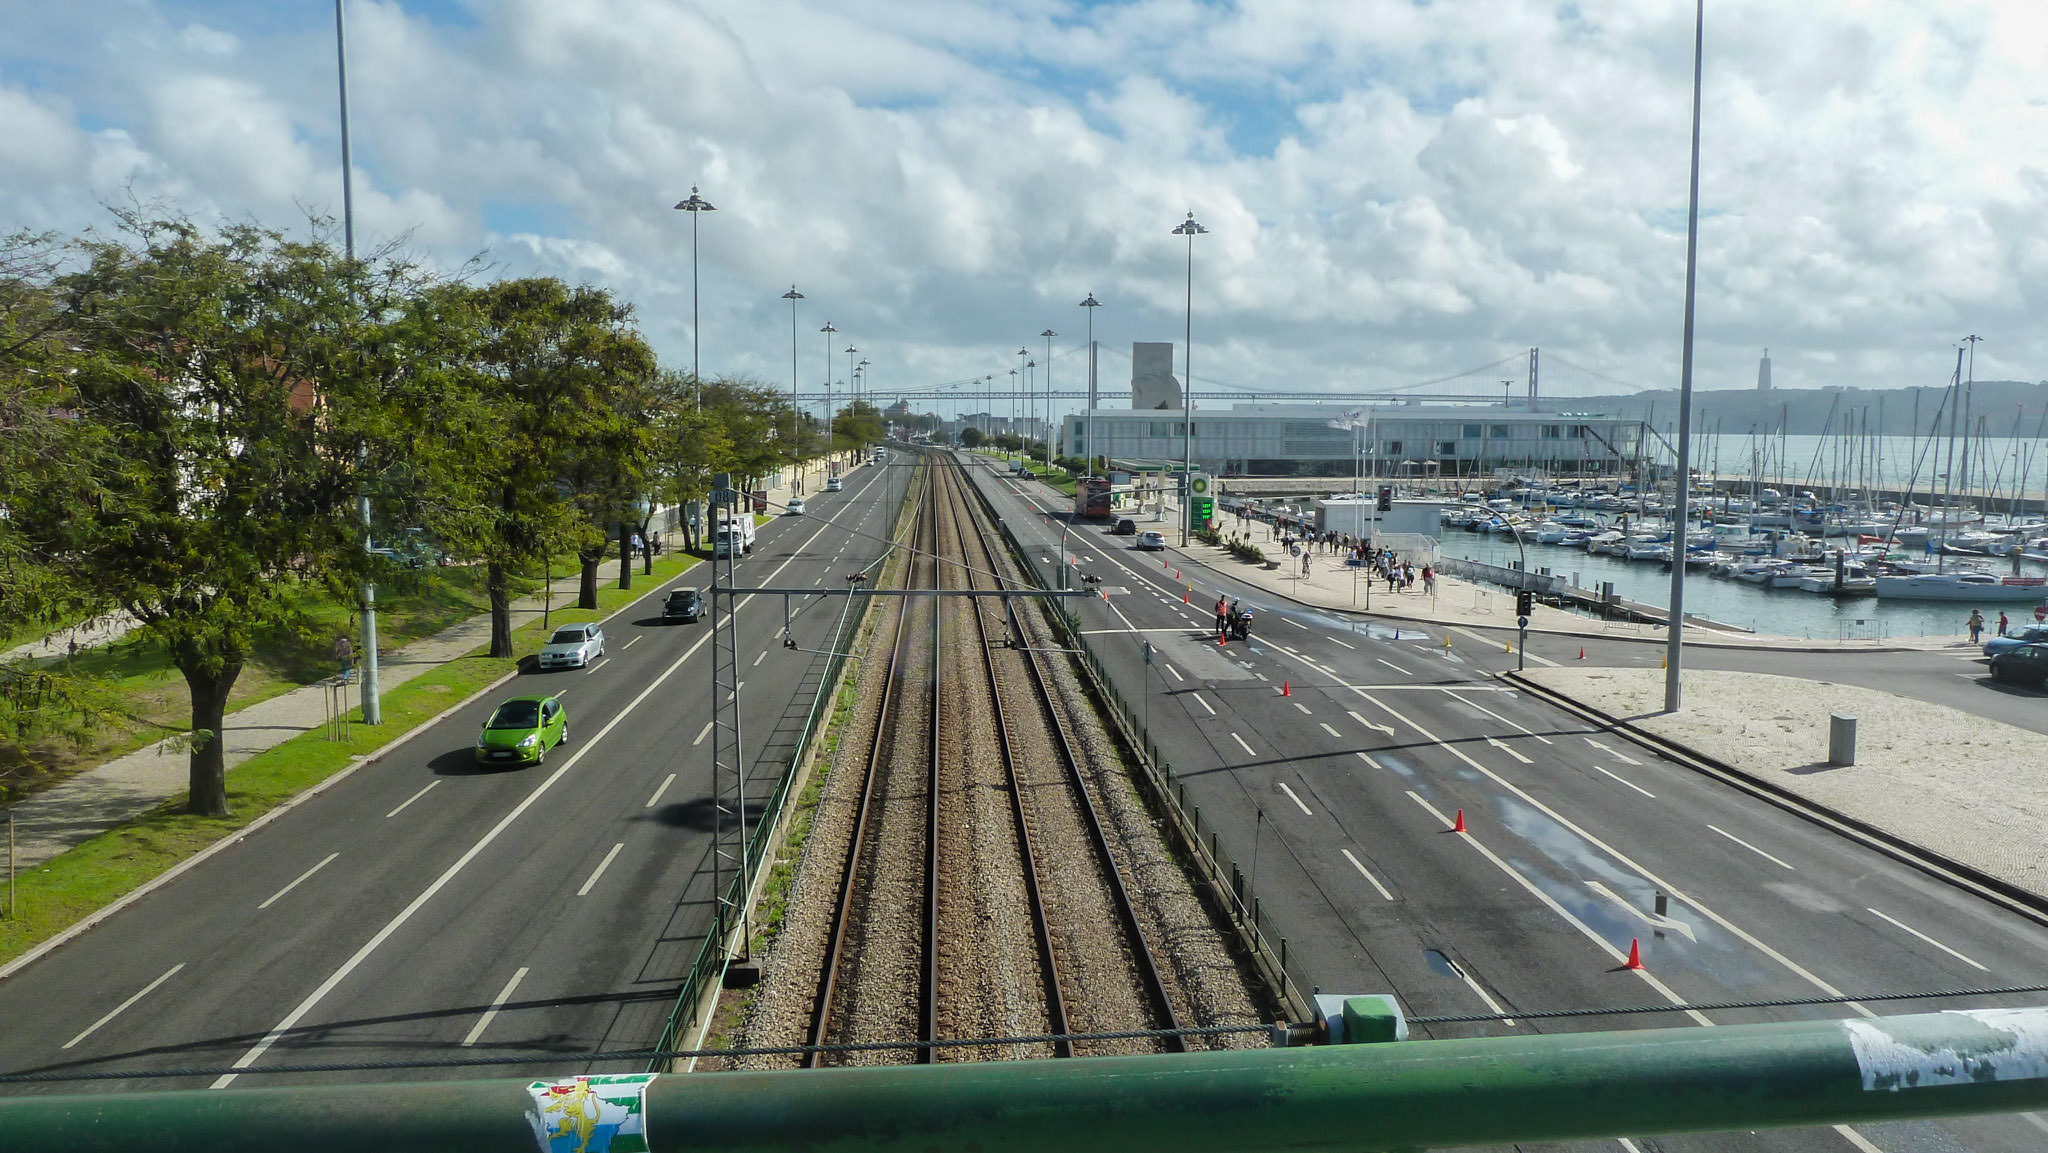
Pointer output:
1189, 229
696, 205
1048, 334
828, 330
1088, 422
792, 296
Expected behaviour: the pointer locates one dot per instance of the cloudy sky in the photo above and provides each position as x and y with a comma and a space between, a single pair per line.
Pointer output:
1395, 190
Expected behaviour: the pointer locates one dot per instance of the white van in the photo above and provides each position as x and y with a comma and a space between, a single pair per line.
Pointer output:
733, 537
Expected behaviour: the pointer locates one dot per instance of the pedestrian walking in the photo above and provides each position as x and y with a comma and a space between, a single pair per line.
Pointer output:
2001, 622
1428, 580
1976, 625
345, 656
1304, 565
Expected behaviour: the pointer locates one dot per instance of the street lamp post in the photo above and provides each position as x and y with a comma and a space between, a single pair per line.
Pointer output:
852, 379
828, 330
696, 206
792, 296
1674, 627
1088, 422
1189, 229
1030, 395
1013, 403
1048, 334
369, 691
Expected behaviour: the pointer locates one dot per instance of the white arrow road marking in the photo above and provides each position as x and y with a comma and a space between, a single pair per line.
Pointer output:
1650, 919
1504, 747
1387, 729
1616, 754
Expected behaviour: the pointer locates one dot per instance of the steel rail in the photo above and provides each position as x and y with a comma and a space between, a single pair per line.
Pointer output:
828, 973
928, 978
1055, 1001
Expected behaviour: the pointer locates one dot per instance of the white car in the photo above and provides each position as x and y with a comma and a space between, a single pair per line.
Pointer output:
795, 507
1151, 541
572, 647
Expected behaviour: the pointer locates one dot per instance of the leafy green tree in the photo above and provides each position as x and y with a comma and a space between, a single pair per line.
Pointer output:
970, 437
220, 372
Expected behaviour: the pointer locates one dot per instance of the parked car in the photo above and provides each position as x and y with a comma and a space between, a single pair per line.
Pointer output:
2029, 635
795, 507
572, 647
684, 604
2025, 665
1151, 541
521, 731
1124, 527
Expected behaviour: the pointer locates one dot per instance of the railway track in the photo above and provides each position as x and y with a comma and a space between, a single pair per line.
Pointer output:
979, 893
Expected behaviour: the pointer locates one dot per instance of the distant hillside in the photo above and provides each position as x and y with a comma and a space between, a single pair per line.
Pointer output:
1806, 411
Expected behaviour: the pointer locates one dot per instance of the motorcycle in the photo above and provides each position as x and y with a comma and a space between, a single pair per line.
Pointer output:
1241, 626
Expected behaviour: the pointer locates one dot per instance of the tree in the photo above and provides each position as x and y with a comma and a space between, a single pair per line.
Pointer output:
220, 374
970, 437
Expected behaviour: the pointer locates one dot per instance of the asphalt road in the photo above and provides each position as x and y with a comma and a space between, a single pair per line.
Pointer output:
1332, 757
423, 909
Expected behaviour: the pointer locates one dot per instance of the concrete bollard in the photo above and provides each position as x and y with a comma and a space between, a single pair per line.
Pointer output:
1841, 739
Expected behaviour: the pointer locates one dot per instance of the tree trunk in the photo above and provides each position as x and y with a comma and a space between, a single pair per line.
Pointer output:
586, 587
625, 555
647, 535
209, 771
501, 610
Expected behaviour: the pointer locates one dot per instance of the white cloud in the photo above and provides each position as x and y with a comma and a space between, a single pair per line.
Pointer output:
1395, 191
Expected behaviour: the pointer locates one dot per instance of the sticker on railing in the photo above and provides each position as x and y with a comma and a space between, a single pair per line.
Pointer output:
599, 1114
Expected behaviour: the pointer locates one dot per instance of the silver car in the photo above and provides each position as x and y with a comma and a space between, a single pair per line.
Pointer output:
572, 647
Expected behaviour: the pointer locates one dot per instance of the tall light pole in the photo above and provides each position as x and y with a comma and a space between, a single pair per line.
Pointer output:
1674, 643
1088, 422
792, 296
828, 330
1031, 395
372, 698
696, 206
1189, 229
1048, 334
1023, 355
1013, 404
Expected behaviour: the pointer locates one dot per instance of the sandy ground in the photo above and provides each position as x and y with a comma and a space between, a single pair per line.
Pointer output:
1971, 789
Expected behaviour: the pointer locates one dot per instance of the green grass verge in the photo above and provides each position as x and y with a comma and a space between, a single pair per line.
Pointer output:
56, 894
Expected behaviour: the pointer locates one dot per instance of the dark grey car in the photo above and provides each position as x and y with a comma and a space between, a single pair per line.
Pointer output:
683, 605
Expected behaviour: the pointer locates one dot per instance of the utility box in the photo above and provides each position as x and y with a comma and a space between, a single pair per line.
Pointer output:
1841, 739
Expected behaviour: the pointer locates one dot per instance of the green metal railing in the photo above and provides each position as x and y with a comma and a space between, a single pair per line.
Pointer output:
1366, 1098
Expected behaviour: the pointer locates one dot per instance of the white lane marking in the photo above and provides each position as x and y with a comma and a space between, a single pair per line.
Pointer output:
1919, 934
1616, 754
1750, 847
1626, 781
1353, 714
1504, 747
1856, 1139
659, 790
1175, 672
1629, 1145
631, 643
701, 734
1486, 640
1583, 834
1203, 703
1367, 758
1454, 691
1240, 744
125, 1005
1340, 644
1651, 919
759, 659
599, 871
1303, 708
409, 800
1305, 810
1367, 874
1393, 666
1331, 731
1259, 675
1567, 915
447, 875
497, 1003
296, 882
593, 667
1297, 624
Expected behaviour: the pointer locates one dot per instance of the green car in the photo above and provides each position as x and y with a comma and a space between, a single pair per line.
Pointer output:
521, 731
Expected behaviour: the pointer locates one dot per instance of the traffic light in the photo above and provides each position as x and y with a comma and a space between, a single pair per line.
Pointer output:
1386, 498
1525, 603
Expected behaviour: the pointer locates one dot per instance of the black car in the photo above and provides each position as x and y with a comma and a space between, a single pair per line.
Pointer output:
2025, 665
683, 605
1125, 527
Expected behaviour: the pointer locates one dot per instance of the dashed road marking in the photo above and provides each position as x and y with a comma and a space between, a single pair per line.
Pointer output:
1340, 644
1203, 703
701, 734
1750, 847
409, 800
1304, 709
659, 790
599, 871
1504, 747
297, 881
1367, 874
1305, 810
1367, 758
1240, 744
1629, 783
497, 1003
1331, 731
1921, 935
125, 1005
1393, 666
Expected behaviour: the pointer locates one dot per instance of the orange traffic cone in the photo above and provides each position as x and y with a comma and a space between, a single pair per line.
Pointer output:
1582, 652
1635, 953
1222, 638
1284, 690
1459, 825
1184, 596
